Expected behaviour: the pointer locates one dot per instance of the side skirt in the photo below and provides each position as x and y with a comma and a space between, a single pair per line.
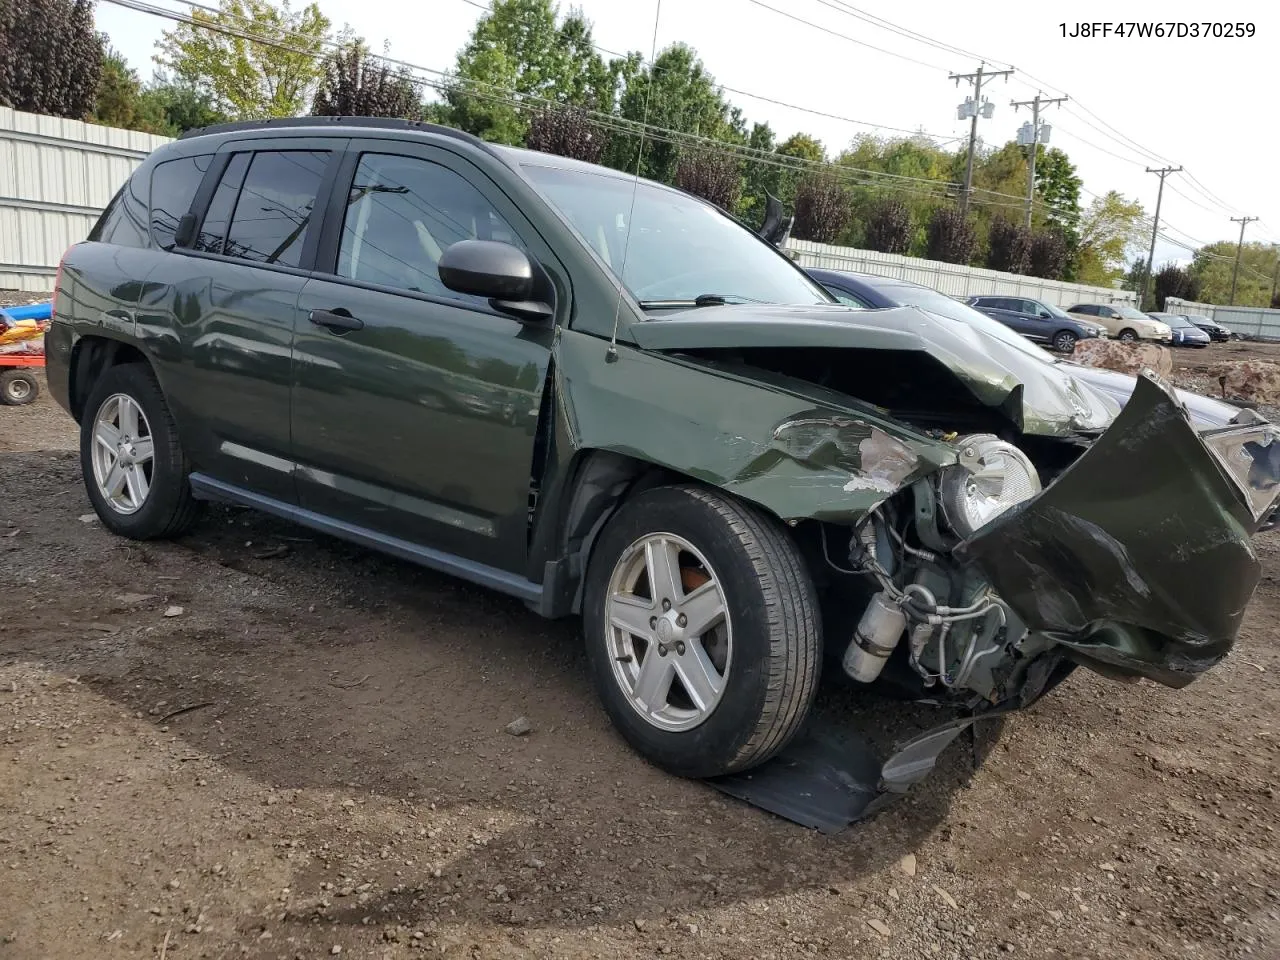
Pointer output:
206, 488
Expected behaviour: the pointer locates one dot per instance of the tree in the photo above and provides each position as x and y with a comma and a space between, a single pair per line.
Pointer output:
675, 93
714, 175
1049, 253
1009, 247
357, 84
567, 131
122, 102
1058, 187
50, 57
1174, 281
249, 80
952, 237
760, 175
1108, 230
822, 207
183, 106
1213, 265
889, 227
518, 46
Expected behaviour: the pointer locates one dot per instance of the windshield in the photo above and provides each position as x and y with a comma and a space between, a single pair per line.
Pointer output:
1129, 313
944, 306
680, 248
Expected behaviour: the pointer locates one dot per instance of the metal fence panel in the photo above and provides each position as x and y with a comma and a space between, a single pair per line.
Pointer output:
56, 176
952, 279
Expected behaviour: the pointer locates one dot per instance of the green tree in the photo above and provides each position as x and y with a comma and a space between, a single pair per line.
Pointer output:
50, 57
249, 80
519, 46
357, 84
803, 147
122, 102
1058, 187
1172, 280
1109, 229
760, 175
676, 93
1213, 264
183, 106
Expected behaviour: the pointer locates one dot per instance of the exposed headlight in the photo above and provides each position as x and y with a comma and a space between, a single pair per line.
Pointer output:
990, 477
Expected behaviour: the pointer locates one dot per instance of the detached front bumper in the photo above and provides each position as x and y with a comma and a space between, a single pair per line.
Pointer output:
1139, 557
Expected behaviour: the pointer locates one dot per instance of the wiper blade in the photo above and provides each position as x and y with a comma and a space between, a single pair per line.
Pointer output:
702, 300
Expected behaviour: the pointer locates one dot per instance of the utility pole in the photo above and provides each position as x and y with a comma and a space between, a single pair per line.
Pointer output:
971, 107
1155, 228
1034, 142
1235, 271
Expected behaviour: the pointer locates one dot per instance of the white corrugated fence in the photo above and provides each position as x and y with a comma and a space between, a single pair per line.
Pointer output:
951, 278
56, 176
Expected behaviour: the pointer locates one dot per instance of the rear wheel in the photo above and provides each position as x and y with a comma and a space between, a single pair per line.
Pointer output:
1064, 341
1128, 336
18, 387
702, 631
134, 469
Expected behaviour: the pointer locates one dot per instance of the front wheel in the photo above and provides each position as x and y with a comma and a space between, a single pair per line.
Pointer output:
1064, 341
702, 631
1128, 336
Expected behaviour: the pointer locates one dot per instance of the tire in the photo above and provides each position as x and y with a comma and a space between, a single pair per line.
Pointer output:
1127, 336
768, 646
18, 387
166, 509
1064, 341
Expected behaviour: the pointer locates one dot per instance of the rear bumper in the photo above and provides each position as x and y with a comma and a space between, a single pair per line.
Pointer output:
1139, 557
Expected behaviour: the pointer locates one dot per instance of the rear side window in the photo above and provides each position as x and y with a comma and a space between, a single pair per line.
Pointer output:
213, 232
124, 222
173, 186
273, 212
1085, 309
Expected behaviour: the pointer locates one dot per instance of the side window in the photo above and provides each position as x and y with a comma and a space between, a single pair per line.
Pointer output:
1033, 309
1007, 303
213, 232
124, 222
848, 299
402, 214
1084, 309
173, 186
274, 210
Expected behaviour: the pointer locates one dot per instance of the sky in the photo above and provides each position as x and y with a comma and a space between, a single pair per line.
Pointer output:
1206, 104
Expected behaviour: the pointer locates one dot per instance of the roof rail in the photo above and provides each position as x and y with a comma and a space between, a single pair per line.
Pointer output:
380, 123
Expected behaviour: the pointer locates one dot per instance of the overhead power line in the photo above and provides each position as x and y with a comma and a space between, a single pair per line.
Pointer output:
845, 36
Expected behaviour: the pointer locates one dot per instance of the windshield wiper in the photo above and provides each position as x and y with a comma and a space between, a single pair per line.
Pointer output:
702, 300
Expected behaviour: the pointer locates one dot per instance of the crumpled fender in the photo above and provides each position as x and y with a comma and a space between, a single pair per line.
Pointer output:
801, 452
1139, 556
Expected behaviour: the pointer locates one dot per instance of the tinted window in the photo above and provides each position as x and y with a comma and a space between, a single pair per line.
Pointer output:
1085, 309
402, 214
124, 222
173, 186
274, 210
1007, 303
213, 232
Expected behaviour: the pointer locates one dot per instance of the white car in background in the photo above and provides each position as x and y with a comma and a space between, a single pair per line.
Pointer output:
1123, 322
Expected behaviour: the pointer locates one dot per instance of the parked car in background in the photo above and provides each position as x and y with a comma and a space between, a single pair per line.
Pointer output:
1217, 332
1038, 321
1123, 322
1184, 332
401, 335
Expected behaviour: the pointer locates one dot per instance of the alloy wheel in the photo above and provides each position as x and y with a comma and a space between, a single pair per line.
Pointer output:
123, 454
669, 634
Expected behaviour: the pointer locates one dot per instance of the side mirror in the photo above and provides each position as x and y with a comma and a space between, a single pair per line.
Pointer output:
499, 271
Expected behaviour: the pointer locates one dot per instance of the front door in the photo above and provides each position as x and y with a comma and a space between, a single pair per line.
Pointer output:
415, 409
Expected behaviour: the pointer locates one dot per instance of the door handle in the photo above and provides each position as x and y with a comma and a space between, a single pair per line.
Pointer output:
339, 319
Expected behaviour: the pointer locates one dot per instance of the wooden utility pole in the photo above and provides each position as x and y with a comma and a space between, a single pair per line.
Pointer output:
1035, 106
977, 79
1235, 271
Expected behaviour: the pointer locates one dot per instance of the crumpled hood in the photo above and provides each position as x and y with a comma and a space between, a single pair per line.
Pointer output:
1042, 397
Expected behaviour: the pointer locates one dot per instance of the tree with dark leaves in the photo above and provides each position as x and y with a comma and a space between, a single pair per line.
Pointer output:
822, 207
889, 227
357, 84
566, 131
951, 236
1049, 254
1175, 281
50, 57
713, 175
1009, 247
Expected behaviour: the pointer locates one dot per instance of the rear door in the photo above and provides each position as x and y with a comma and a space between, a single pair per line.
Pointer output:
220, 321
417, 422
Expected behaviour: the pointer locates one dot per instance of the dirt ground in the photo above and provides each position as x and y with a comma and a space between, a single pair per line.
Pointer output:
262, 743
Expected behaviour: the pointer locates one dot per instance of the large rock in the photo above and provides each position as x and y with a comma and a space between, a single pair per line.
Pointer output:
1257, 381
1124, 357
